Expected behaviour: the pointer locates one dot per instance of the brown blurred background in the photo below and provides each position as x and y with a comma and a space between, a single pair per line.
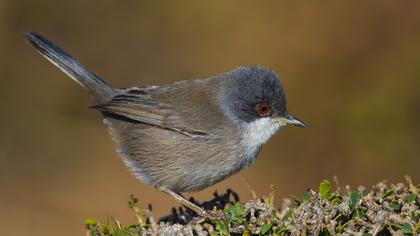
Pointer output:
351, 70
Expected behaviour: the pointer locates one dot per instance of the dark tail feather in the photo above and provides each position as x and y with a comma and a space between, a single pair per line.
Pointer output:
72, 67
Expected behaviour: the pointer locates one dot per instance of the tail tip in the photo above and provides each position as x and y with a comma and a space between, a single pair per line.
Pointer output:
31, 35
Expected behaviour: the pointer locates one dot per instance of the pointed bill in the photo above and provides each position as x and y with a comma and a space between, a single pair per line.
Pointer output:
291, 120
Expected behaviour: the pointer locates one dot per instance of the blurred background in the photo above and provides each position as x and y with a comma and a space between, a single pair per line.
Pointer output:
351, 70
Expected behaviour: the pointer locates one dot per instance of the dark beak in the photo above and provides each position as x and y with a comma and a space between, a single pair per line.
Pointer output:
291, 120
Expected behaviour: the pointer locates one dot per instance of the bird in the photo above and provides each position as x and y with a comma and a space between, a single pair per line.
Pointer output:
187, 135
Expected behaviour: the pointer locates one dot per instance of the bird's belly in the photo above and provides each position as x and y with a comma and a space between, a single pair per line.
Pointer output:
196, 165
175, 161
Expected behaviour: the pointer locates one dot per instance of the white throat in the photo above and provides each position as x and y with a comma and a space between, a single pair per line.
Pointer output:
255, 134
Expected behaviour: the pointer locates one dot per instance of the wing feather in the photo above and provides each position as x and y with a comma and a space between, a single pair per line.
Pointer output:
138, 105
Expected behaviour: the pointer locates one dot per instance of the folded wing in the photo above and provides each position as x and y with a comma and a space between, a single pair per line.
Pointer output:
138, 105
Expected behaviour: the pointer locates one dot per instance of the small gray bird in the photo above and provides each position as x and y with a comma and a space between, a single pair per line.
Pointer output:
188, 135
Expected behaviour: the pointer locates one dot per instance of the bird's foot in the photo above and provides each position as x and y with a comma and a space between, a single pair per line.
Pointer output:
205, 215
212, 215
216, 215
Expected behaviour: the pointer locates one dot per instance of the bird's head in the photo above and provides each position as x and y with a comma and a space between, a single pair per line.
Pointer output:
256, 102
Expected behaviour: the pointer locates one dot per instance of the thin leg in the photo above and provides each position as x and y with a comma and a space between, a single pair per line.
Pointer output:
200, 211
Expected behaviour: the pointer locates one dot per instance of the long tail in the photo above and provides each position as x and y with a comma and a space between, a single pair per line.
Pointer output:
72, 67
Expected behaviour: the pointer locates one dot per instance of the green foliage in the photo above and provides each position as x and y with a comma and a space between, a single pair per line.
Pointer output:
306, 196
354, 200
111, 228
325, 189
280, 229
325, 213
222, 227
265, 228
235, 212
411, 198
405, 228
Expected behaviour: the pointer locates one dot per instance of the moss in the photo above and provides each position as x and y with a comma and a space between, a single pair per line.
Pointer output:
387, 209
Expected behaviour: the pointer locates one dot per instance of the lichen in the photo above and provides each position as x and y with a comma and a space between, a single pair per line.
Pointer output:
387, 209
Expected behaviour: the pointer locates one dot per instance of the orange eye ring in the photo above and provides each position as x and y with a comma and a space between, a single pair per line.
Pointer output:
263, 109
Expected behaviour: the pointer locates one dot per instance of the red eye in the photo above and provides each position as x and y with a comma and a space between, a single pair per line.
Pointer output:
263, 109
